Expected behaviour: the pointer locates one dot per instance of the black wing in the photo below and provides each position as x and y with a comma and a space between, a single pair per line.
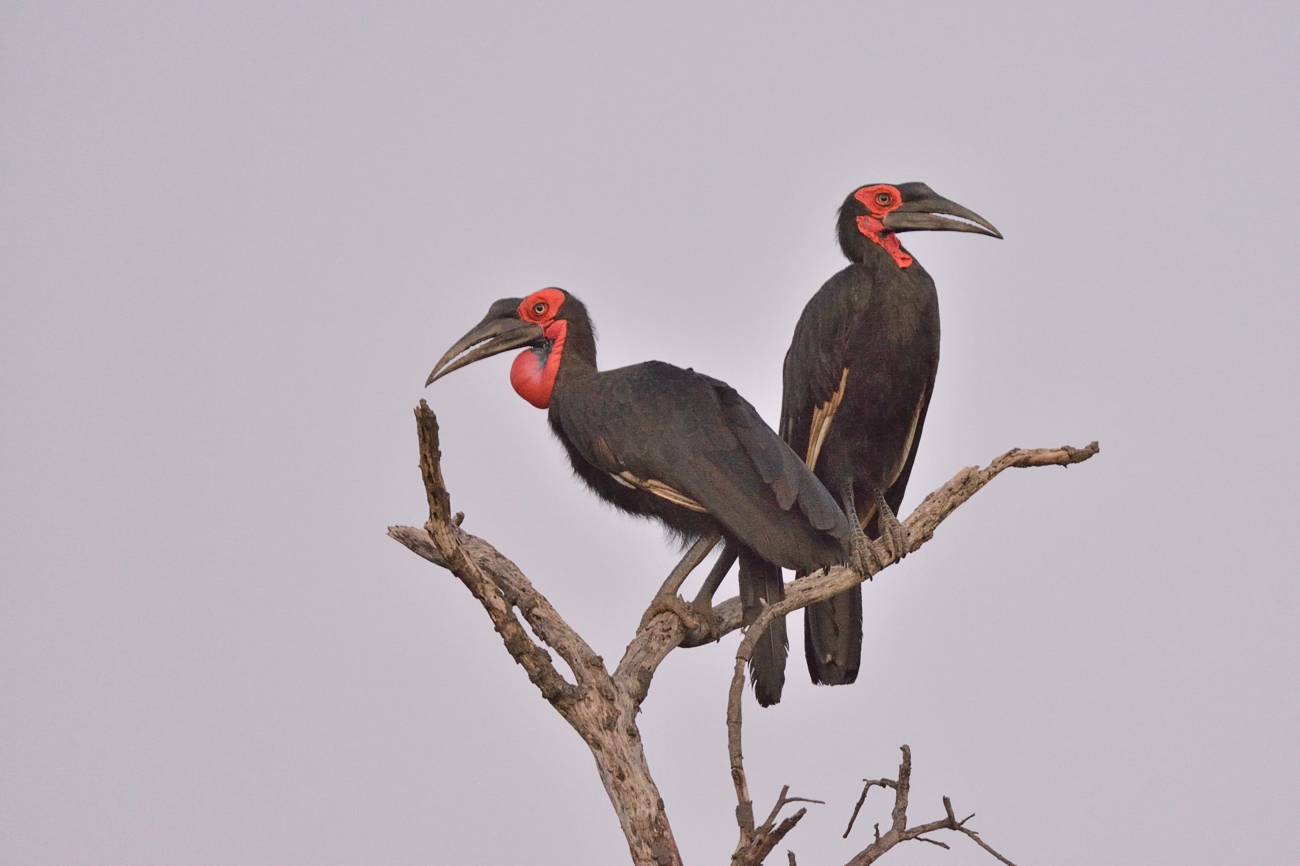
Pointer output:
700, 438
816, 363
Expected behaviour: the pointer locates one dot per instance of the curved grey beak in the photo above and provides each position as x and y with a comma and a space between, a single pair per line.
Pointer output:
925, 210
492, 336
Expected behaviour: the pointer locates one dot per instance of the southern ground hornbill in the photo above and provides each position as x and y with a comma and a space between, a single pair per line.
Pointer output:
857, 383
656, 440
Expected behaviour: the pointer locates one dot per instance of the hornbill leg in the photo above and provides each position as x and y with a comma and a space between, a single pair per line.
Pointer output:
707, 631
864, 558
683, 569
894, 532
666, 600
704, 598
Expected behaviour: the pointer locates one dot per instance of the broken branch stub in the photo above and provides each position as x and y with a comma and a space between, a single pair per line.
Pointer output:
602, 708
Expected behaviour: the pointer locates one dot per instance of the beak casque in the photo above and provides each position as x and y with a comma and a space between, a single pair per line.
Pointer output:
925, 210
500, 331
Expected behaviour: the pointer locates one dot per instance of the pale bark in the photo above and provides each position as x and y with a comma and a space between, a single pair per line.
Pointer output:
602, 707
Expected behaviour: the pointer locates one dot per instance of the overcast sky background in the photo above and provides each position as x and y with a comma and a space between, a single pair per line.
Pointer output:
235, 241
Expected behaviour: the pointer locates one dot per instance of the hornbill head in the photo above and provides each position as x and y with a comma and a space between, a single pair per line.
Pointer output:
539, 322
879, 210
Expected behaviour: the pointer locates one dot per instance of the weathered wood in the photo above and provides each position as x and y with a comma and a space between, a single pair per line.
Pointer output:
602, 707
899, 832
601, 712
921, 525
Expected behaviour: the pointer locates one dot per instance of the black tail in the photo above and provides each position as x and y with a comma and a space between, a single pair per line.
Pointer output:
832, 638
760, 585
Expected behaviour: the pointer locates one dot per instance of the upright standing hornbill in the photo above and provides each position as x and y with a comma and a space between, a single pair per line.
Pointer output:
656, 440
857, 383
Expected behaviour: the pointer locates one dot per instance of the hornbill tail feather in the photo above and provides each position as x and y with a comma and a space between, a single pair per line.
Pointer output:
761, 585
833, 638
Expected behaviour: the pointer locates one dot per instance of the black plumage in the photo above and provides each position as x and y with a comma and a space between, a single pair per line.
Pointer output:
669, 443
857, 383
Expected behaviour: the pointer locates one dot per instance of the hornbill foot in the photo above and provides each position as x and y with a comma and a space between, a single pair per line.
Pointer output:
706, 630
893, 532
677, 606
865, 561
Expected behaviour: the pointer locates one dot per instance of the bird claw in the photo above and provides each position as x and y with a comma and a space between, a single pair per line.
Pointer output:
707, 627
894, 534
677, 606
865, 561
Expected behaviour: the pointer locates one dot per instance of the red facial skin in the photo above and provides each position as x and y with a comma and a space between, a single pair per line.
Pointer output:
532, 379
879, 200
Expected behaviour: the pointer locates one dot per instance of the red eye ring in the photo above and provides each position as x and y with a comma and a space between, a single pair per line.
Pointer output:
879, 199
541, 307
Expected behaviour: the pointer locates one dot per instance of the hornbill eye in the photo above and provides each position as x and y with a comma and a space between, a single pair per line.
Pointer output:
539, 308
883, 198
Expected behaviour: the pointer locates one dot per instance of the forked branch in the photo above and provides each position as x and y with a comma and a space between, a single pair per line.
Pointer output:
899, 831
762, 839
600, 710
602, 707
921, 526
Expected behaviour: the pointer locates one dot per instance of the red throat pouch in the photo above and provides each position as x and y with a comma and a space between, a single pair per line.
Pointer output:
533, 377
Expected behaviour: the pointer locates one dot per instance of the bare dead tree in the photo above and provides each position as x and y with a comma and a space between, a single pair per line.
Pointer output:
602, 706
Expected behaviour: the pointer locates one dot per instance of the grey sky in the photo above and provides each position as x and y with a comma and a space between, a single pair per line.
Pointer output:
235, 240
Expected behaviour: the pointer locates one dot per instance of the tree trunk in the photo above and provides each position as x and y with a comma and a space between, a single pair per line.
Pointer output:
620, 759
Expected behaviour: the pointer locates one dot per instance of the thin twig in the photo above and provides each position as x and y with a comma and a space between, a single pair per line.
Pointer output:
943, 845
781, 802
900, 832
776, 809
980, 842
759, 842
871, 783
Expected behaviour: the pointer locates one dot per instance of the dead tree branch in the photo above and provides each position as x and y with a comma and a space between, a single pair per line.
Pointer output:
601, 710
602, 707
884, 783
899, 831
767, 835
922, 523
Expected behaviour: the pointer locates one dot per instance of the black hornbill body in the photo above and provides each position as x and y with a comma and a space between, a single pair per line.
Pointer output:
660, 441
857, 383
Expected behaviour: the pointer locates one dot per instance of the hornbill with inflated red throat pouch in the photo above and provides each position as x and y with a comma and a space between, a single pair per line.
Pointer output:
660, 441
857, 383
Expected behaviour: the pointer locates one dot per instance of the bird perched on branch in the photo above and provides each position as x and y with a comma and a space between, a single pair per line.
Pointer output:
857, 383
656, 440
